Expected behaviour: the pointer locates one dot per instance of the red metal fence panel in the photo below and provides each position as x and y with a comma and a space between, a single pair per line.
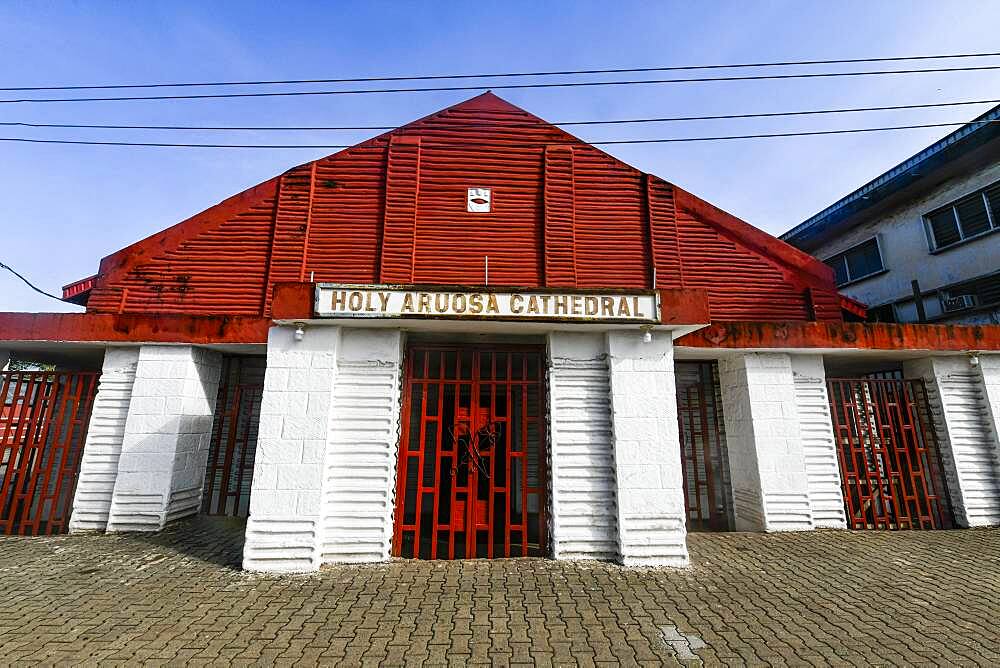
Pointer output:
889, 458
44, 417
704, 459
229, 472
471, 473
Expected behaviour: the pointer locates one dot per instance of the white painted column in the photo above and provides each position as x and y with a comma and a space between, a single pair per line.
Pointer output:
584, 517
284, 527
650, 488
161, 469
826, 494
961, 398
767, 461
360, 461
99, 463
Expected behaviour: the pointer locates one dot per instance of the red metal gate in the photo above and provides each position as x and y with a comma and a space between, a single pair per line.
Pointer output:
43, 424
704, 460
471, 473
889, 460
229, 473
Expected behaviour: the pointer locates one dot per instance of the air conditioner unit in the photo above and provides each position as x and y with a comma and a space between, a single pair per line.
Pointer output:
959, 302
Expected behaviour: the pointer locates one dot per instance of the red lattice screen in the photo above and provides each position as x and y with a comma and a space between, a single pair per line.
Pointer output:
43, 424
889, 459
471, 473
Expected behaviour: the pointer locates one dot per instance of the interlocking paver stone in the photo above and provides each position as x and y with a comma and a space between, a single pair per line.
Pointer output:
820, 598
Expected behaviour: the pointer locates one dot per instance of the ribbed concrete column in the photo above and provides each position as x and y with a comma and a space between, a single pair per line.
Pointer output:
360, 463
962, 399
650, 486
286, 499
582, 466
766, 457
103, 447
161, 470
819, 449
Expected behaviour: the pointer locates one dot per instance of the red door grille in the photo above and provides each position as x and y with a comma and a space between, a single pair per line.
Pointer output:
471, 473
229, 472
704, 460
889, 459
43, 423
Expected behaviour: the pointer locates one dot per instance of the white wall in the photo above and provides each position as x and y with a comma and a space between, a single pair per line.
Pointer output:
962, 410
905, 250
161, 469
581, 451
286, 497
650, 485
766, 457
362, 447
102, 449
819, 449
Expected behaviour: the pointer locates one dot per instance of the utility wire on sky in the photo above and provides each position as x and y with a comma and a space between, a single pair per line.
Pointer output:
459, 143
29, 283
497, 75
665, 119
561, 84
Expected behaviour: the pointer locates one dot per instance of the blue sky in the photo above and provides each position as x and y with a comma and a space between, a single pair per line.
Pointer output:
65, 207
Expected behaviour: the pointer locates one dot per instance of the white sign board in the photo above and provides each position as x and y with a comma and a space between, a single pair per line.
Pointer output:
348, 301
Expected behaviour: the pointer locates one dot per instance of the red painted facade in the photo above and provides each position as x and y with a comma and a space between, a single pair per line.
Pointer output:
393, 210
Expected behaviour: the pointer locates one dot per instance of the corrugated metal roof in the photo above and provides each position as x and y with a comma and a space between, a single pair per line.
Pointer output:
969, 136
394, 210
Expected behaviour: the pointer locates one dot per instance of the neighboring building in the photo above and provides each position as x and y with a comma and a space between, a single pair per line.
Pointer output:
478, 336
932, 219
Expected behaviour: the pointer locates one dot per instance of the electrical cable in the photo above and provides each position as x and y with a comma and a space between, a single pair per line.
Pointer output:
425, 89
665, 119
29, 283
497, 75
459, 143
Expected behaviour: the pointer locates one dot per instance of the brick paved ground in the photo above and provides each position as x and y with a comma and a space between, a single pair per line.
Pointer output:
818, 598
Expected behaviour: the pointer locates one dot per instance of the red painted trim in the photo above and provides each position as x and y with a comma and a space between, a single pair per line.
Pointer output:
293, 300
753, 238
77, 287
860, 335
78, 291
684, 307
94, 327
853, 306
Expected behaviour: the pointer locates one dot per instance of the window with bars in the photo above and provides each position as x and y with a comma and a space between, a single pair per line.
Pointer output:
858, 262
966, 218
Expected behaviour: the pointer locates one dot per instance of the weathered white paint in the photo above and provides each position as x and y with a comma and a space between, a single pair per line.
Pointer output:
962, 411
101, 451
905, 250
161, 469
582, 468
650, 487
819, 449
989, 370
286, 497
767, 461
359, 462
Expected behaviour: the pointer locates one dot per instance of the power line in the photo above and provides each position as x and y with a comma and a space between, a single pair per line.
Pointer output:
665, 119
561, 84
29, 283
497, 75
504, 145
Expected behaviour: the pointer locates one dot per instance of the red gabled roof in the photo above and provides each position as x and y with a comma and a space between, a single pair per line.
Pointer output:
393, 210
